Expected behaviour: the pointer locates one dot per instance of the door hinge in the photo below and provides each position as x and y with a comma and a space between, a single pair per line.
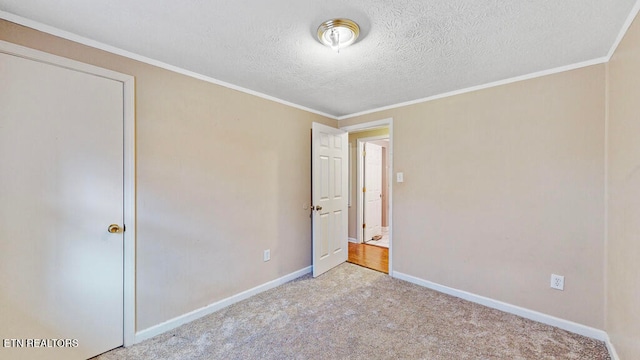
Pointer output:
364, 189
364, 226
364, 153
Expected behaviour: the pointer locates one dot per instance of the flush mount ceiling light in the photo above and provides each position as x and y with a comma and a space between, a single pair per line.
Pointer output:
338, 33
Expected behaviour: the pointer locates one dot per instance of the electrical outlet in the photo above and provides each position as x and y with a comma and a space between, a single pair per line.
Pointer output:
267, 255
557, 282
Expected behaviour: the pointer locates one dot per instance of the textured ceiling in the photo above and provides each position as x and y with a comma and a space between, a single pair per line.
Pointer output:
408, 49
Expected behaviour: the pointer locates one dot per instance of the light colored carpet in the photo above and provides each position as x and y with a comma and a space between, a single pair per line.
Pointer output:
356, 313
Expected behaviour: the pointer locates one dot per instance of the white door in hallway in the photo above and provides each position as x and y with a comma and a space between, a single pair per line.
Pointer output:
373, 191
329, 168
61, 186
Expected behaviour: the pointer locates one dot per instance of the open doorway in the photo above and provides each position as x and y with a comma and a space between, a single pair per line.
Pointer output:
373, 182
370, 199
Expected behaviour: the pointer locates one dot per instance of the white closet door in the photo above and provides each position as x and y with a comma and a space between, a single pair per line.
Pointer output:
61, 186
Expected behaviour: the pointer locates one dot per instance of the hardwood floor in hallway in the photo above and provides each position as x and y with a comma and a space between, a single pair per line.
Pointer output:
369, 256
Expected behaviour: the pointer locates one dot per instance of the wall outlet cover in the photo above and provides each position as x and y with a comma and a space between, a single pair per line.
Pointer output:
557, 282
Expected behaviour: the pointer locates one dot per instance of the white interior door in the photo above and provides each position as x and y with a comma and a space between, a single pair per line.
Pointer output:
372, 191
61, 185
329, 168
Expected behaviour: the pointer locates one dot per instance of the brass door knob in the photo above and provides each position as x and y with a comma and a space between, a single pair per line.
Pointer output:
114, 228
318, 207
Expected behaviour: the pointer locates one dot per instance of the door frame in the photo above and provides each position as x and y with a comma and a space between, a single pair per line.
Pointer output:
129, 169
360, 182
371, 125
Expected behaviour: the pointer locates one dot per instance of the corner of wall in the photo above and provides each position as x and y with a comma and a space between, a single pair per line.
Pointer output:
611, 349
606, 196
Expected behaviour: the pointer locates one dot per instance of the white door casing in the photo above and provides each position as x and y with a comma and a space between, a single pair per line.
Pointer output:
329, 195
62, 155
372, 190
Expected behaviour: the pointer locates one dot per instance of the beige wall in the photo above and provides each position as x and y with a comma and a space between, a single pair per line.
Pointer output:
503, 187
623, 260
353, 148
221, 176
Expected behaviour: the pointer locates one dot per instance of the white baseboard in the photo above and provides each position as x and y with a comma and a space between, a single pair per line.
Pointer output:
612, 350
353, 240
509, 308
211, 308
